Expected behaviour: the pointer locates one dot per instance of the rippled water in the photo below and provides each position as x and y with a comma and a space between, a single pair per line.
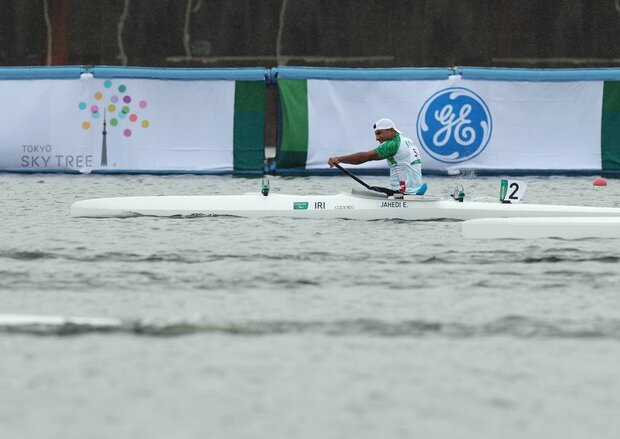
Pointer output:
291, 328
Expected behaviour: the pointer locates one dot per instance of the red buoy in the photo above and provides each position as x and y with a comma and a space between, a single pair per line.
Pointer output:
600, 181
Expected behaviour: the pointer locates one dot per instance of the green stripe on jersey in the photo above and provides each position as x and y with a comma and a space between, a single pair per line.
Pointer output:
610, 126
249, 126
293, 151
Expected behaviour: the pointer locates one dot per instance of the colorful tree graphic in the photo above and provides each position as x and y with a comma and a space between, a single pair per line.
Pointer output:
118, 105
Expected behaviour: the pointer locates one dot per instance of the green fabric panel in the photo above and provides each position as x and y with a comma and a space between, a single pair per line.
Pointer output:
610, 126
249, 126
610, 140
611, 96
294, 141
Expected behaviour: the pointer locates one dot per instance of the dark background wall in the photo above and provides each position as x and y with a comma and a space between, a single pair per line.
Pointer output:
348, 33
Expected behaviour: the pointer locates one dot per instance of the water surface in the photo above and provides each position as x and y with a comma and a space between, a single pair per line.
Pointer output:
293, 328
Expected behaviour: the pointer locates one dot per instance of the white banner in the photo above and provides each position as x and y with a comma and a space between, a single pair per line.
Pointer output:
150, 125
462, 124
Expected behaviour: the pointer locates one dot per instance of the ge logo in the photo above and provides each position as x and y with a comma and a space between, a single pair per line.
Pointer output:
454, 125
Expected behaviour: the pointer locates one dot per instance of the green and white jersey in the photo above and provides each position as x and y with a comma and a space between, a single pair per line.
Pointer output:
404, 160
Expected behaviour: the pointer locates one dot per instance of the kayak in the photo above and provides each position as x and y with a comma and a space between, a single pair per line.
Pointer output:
358, 204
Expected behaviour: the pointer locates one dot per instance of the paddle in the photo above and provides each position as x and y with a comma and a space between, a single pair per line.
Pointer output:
383, 190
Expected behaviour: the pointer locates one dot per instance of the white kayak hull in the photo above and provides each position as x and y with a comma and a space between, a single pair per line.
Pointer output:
344, 205
536, 228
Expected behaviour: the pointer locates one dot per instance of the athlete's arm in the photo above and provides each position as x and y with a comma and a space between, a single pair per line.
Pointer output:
354, 159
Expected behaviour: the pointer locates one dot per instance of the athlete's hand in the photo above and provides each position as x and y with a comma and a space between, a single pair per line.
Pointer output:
333, 161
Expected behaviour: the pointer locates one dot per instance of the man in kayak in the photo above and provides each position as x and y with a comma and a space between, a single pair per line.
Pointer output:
400, 152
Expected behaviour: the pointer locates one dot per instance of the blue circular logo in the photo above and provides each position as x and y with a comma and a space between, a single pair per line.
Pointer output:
454, 125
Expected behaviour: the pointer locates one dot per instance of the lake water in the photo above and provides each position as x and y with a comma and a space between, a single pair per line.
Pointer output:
292, 328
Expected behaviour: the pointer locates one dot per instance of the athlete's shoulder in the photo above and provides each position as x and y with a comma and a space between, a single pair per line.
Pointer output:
389, 147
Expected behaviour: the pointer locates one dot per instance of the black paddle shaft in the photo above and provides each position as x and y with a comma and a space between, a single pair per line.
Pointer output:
383, 190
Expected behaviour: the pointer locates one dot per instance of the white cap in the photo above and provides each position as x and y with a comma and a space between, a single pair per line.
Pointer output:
384, 124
